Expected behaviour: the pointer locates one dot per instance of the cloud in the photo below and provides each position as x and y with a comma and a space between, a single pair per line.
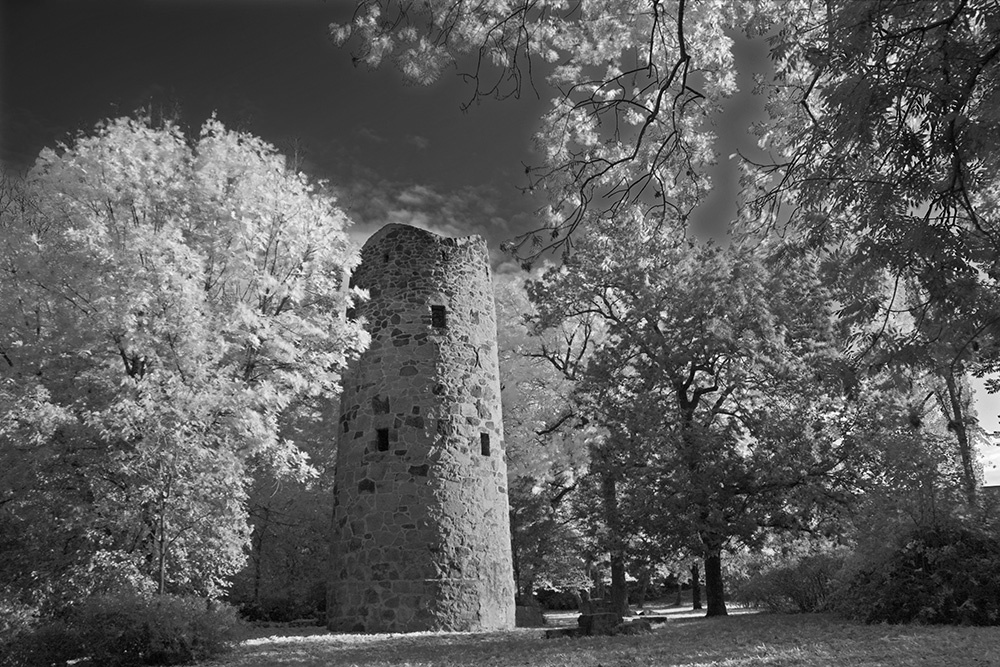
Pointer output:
372, 202
418, 141
419, 195
371, 135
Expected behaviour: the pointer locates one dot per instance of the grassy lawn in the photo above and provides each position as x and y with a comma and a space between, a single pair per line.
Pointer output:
748, 639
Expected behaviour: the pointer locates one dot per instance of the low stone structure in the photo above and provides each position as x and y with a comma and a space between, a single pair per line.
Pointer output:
598, 618
421, 536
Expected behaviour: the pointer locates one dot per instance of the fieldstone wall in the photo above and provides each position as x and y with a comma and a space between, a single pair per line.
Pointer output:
421, 536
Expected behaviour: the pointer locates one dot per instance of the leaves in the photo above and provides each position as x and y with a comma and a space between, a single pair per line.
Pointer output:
175, 306
711, 361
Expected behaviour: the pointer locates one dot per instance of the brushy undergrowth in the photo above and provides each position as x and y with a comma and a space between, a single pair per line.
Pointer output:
800, 584
124, 630
747, 640
947, 575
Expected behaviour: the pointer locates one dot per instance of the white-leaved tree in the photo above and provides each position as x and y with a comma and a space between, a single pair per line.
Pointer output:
547, 450
170, 306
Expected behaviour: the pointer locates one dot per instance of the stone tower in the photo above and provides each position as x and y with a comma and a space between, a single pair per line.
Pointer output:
421, 535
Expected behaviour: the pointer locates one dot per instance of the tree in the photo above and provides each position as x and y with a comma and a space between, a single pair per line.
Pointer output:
547, 450
882, 125
172, 306
632, 83
712, 361
288, 556
851, 81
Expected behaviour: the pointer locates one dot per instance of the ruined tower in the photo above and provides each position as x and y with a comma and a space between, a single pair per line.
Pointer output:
421, 535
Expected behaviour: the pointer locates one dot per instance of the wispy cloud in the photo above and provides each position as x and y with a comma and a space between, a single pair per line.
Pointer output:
371, 203
419, 195
371, 135
416, 140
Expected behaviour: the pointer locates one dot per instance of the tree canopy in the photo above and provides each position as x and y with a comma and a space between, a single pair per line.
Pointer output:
881, 112
174, 308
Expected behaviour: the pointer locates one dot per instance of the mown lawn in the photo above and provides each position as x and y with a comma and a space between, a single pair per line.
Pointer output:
751, 639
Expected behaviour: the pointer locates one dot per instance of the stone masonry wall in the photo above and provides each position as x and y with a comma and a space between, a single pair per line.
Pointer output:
421, 536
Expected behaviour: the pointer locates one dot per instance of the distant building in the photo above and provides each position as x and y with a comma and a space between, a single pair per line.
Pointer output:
421, 536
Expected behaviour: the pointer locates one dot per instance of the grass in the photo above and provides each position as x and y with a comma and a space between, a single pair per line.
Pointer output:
736, 641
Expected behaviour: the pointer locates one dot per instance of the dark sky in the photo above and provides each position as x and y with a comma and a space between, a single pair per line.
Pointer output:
397, 153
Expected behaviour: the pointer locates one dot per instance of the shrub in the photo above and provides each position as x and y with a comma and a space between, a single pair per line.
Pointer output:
947, 575
126, 629
556, 599
287, 608
802, 584
16, 621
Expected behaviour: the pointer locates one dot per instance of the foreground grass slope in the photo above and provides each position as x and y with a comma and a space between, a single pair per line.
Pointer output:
752, 639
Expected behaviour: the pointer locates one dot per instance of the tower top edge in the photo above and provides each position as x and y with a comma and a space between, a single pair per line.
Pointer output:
395, 229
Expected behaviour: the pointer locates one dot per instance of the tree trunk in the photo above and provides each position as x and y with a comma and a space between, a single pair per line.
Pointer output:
619, 587
162, 545
619, 590
644, 577
258, 561
695, 587
516, 561
958, 419
715, 592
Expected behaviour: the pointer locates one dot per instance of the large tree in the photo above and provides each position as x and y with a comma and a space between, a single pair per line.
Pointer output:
171, 306
712, 362
547, 450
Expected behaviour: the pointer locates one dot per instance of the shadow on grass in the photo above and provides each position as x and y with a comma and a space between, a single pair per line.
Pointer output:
804, 640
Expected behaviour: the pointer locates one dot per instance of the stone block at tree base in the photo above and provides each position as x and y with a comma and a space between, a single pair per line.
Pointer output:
599, 623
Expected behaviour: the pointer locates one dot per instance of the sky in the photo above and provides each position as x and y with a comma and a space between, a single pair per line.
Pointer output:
393, 152
396, 153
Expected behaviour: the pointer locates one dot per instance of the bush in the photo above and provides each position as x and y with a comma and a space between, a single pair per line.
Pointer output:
555, 599
16, 621
287, 608
803, 584
940, 575
122, 630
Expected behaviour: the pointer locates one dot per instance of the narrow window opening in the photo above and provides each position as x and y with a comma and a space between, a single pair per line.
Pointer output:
438, 317
484, 443
444, 255
385, 257
382, 439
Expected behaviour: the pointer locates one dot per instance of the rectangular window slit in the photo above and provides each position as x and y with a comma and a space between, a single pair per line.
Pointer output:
438, 316
382, 439
484, 443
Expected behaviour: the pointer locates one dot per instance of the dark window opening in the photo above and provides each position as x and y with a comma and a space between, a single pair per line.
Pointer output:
484, 443
438, 318
444, 255
382, 439
385, 257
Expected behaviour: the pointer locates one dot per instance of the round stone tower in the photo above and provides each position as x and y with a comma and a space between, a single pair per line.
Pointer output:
421, 535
